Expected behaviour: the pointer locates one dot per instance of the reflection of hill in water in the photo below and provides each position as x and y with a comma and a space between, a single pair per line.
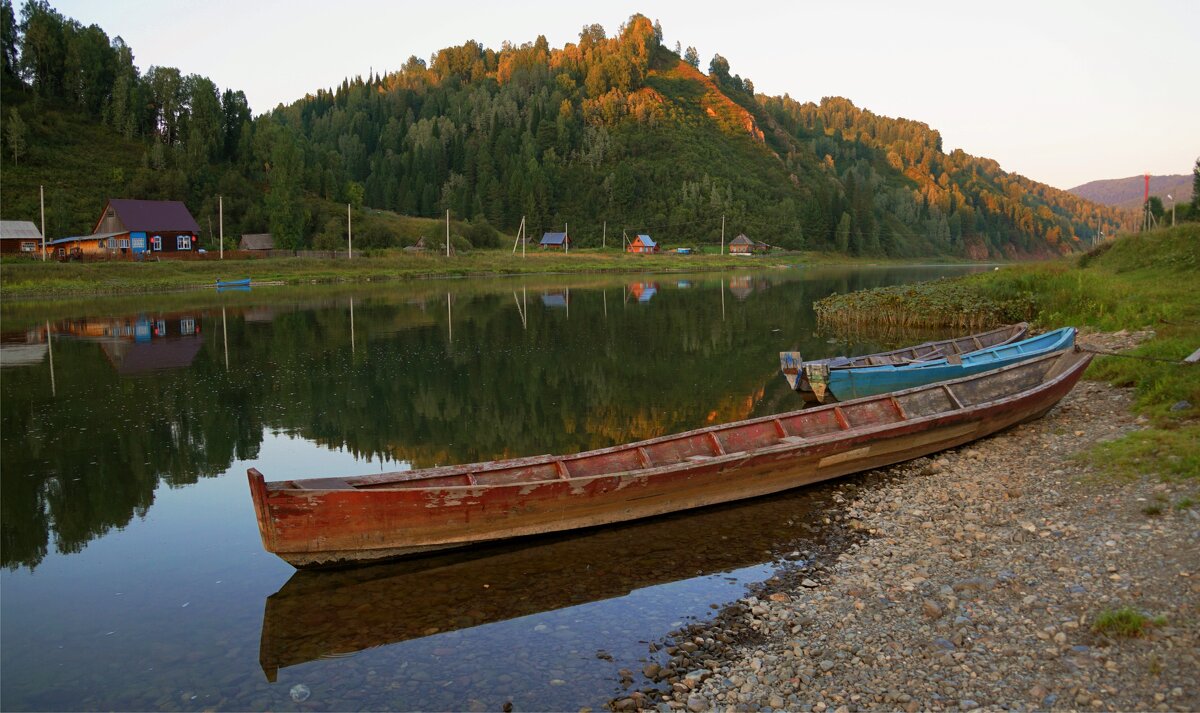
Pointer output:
88, 459
321, 614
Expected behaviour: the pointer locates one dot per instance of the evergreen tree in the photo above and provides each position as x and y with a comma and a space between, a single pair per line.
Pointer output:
16, 132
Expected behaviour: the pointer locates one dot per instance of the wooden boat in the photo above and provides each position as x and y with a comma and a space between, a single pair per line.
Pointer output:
309, 619
795, 369
332, 521
843, 384
244, 282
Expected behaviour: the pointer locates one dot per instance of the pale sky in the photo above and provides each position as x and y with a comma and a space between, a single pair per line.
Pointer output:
1062, 92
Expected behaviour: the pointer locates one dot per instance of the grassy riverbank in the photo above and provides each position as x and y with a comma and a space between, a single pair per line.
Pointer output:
29, 279
1144, 281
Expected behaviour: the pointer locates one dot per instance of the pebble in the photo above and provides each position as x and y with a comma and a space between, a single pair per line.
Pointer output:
973, 581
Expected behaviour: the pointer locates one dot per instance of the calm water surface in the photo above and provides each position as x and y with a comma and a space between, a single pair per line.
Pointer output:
133, 574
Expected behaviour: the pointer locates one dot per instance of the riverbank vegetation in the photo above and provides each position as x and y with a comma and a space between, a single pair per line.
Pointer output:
1141, 281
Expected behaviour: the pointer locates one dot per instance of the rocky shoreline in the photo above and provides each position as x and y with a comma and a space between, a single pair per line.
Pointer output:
975, 581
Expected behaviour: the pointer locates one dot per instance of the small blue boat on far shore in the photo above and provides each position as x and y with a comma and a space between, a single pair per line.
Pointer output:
843, 384
245, 282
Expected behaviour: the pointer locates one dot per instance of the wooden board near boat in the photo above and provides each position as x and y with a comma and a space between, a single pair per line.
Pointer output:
348, 520
792, 364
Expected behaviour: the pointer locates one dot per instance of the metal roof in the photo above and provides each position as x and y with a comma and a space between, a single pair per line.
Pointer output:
553, 238
138, 215
19, 230
647, 240
97, 236
741, 240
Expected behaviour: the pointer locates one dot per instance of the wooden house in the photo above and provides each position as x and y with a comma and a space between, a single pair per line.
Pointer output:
20, 237
83, 246
257, 242
134, 227
556, 241
742, 245
642, 244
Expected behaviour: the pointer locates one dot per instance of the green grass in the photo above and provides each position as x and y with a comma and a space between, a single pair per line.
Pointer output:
24, 278
1124, 622
1141, 281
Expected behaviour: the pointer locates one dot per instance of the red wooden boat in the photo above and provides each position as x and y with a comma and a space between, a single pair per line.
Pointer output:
338, 521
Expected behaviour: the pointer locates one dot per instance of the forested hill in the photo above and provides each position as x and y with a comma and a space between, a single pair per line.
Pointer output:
616, 133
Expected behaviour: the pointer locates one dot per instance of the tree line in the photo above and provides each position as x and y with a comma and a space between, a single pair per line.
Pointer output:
607, 133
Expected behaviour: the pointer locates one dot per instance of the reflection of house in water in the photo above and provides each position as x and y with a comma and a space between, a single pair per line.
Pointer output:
142, 344
259, 314
556, 300
643, 291
741, 286
23, 348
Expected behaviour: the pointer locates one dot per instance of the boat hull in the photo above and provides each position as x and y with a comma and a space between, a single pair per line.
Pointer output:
793, 366
844, 384
310, 525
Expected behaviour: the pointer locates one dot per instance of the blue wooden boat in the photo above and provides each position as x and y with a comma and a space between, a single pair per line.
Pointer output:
245, 282
842, 384
795, 369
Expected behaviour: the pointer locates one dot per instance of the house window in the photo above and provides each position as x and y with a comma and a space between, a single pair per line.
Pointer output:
139, 243
187, 326
123, 243
183, 242
28, 246
156, 243
160, 328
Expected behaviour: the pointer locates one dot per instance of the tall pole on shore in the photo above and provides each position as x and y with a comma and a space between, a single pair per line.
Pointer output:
221, 224
604, 237
447, 241
349, 237
42, 201
722, 235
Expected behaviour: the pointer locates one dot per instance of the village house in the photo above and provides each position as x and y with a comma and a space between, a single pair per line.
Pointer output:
20, 237
257, 242
642, 244
136, 226
742, 245
556, 241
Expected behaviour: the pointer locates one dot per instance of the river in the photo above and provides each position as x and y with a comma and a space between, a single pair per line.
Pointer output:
133, 576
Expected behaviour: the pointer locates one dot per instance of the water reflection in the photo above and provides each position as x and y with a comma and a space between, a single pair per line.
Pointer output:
134, 577
384, 373
320, 614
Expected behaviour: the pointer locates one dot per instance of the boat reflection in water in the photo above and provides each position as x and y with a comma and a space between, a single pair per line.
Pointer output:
322, 613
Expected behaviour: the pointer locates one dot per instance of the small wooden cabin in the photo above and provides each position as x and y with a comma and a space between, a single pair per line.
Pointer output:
642, 244
742, 245
555, 241
20, 237
259, 242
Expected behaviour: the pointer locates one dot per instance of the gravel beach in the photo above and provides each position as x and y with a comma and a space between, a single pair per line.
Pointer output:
974, 580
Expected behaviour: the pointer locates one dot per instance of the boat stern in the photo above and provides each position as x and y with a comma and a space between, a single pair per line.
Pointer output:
792, 366
262, 512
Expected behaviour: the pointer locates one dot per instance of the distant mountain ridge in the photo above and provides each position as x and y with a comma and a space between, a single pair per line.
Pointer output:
1128, 193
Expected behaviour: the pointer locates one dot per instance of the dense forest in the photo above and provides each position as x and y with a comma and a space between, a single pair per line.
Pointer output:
608, 134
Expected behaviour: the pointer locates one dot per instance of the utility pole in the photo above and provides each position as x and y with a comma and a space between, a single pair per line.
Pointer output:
42, 201
722, 235
447, 246
349, 236
604, 237
221, 223
566, 247
1172, 199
